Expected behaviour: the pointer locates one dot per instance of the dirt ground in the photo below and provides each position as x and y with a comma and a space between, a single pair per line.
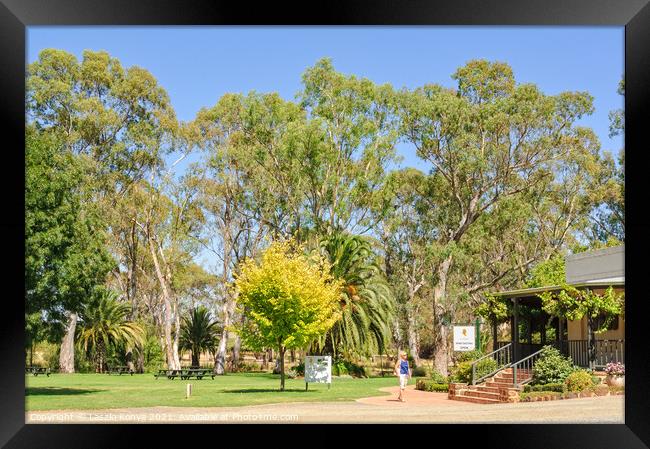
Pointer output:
420, 407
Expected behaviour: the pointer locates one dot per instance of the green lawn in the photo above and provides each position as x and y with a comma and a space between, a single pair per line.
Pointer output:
98, 391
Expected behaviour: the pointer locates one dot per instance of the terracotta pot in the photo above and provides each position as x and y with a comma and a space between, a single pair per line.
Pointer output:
616, 381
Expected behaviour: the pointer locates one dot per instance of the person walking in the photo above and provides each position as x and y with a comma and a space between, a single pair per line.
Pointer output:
402, 370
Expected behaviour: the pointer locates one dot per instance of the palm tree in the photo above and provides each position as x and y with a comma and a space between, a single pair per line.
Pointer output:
104, 324
199, 332
367, 302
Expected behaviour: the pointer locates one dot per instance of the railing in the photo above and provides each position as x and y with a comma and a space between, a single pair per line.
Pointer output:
525, 368
606, 351
503, 357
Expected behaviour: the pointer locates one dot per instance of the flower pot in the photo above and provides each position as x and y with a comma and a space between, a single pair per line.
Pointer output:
616, 381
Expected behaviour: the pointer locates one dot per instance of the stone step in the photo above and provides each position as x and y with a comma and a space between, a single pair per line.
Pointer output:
510, 377
475, 400
487, 389
499, 384
481, 394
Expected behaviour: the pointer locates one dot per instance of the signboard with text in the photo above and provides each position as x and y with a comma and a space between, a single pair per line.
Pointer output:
464, 338
318, 369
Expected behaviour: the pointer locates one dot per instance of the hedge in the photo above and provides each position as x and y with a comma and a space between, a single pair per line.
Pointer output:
428, 385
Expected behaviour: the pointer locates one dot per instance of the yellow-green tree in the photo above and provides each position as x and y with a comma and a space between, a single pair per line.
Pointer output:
289, 299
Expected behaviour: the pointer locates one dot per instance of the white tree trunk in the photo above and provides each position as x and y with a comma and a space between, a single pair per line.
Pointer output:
173, 361
441, 353
66, 356
414, 346
220, 356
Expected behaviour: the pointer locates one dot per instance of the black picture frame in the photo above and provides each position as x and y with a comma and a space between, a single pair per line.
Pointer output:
16, 15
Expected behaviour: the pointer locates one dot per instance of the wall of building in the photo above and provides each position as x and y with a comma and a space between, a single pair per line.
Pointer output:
577, 330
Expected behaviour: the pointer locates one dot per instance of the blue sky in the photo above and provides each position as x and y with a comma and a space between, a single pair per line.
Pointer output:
197, 65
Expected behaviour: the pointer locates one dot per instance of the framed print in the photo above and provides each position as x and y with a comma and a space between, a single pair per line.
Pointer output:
215, 199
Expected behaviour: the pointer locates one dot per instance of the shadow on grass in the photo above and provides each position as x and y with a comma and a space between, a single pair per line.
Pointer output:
56, 391
269, 390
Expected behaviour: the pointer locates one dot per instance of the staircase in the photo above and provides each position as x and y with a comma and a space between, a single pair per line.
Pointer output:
494, 390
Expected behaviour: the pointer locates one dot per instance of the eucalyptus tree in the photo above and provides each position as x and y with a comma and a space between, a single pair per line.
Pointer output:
119, 119
608, 219
406, 232
239, 204
487, 140
358, 132
65, 241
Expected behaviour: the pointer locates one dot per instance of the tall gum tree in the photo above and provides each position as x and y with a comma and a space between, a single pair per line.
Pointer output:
487, 140
120, 119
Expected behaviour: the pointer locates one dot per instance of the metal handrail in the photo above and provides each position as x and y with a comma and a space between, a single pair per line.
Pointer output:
503, 349
519, 362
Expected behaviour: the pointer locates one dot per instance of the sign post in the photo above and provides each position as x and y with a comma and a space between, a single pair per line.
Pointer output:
464, 338
318, 369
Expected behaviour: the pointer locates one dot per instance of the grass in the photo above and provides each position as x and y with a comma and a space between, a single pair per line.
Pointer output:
102, 391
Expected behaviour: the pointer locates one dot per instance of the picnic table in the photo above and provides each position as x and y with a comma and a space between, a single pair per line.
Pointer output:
119, 370
185, 373
36, 370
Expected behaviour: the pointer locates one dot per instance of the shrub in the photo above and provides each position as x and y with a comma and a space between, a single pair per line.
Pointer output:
531, 396
438, 378
154, 358
420, 371
579, 381
247, 367
556, 387
467, 356
291, 374
344, 367
428, 385
552, 367
463, 371
300, 368
615, 369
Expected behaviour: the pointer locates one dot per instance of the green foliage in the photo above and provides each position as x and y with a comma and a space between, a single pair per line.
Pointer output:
462, 372
104, 325
420, 371
288, 300
528, 396
551, 367
579, 380
557, 387
548, 273
199, 333
152, 351
65, 246
438, 378
300, 368
367, 304
494, 309
431, 385
574, 304
346, 367
466, 356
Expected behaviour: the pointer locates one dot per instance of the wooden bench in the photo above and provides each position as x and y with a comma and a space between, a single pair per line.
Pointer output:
185, 373
36, 370
119, 370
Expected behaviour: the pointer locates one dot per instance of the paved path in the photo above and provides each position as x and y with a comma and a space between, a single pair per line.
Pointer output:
421, 407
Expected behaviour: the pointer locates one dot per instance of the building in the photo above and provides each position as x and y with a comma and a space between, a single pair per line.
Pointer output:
532, 328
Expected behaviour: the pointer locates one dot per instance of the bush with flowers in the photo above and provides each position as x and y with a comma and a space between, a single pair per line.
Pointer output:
615, 369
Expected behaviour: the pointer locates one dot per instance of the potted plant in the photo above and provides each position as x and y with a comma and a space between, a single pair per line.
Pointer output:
615, 374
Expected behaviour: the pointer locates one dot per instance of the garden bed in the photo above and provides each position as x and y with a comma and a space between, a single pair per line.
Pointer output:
534, 396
